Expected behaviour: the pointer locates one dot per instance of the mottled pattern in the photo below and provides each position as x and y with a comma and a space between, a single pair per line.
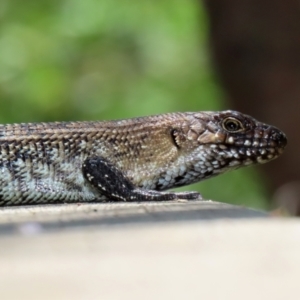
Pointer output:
42, 163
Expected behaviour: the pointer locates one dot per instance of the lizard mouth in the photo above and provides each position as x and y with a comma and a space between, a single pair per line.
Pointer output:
257, 151
235, 156
265, 145
257, 155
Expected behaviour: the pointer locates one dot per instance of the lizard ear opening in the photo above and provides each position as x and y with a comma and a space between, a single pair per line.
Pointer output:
176, 137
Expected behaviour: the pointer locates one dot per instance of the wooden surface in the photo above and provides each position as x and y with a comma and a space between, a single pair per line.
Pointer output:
58, 217
173, 250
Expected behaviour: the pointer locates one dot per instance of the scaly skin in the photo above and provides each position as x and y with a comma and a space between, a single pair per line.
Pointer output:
129, 159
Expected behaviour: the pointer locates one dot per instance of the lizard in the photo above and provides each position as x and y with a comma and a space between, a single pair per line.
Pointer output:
128, 160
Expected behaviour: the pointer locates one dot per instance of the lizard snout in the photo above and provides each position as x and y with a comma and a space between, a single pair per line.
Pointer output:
278, 137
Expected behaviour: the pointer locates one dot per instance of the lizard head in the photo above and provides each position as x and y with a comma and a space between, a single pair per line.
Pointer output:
215, 142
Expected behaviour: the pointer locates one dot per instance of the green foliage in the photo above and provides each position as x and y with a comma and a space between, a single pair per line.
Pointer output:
95, 59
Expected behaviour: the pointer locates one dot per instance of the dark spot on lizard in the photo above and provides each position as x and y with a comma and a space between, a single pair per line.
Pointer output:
144, 137
208, 173
179, 178
135, 148
112, 141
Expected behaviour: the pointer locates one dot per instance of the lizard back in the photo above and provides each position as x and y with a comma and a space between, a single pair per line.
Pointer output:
42, 162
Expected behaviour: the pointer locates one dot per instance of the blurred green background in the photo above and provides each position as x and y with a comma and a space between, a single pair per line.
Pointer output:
96, 59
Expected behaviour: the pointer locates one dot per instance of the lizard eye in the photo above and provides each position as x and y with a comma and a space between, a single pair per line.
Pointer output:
232, 125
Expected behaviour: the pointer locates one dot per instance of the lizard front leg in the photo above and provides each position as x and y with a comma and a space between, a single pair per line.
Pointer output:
111, 182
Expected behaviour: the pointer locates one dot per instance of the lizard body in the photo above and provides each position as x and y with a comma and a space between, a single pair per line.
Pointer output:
131, 160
